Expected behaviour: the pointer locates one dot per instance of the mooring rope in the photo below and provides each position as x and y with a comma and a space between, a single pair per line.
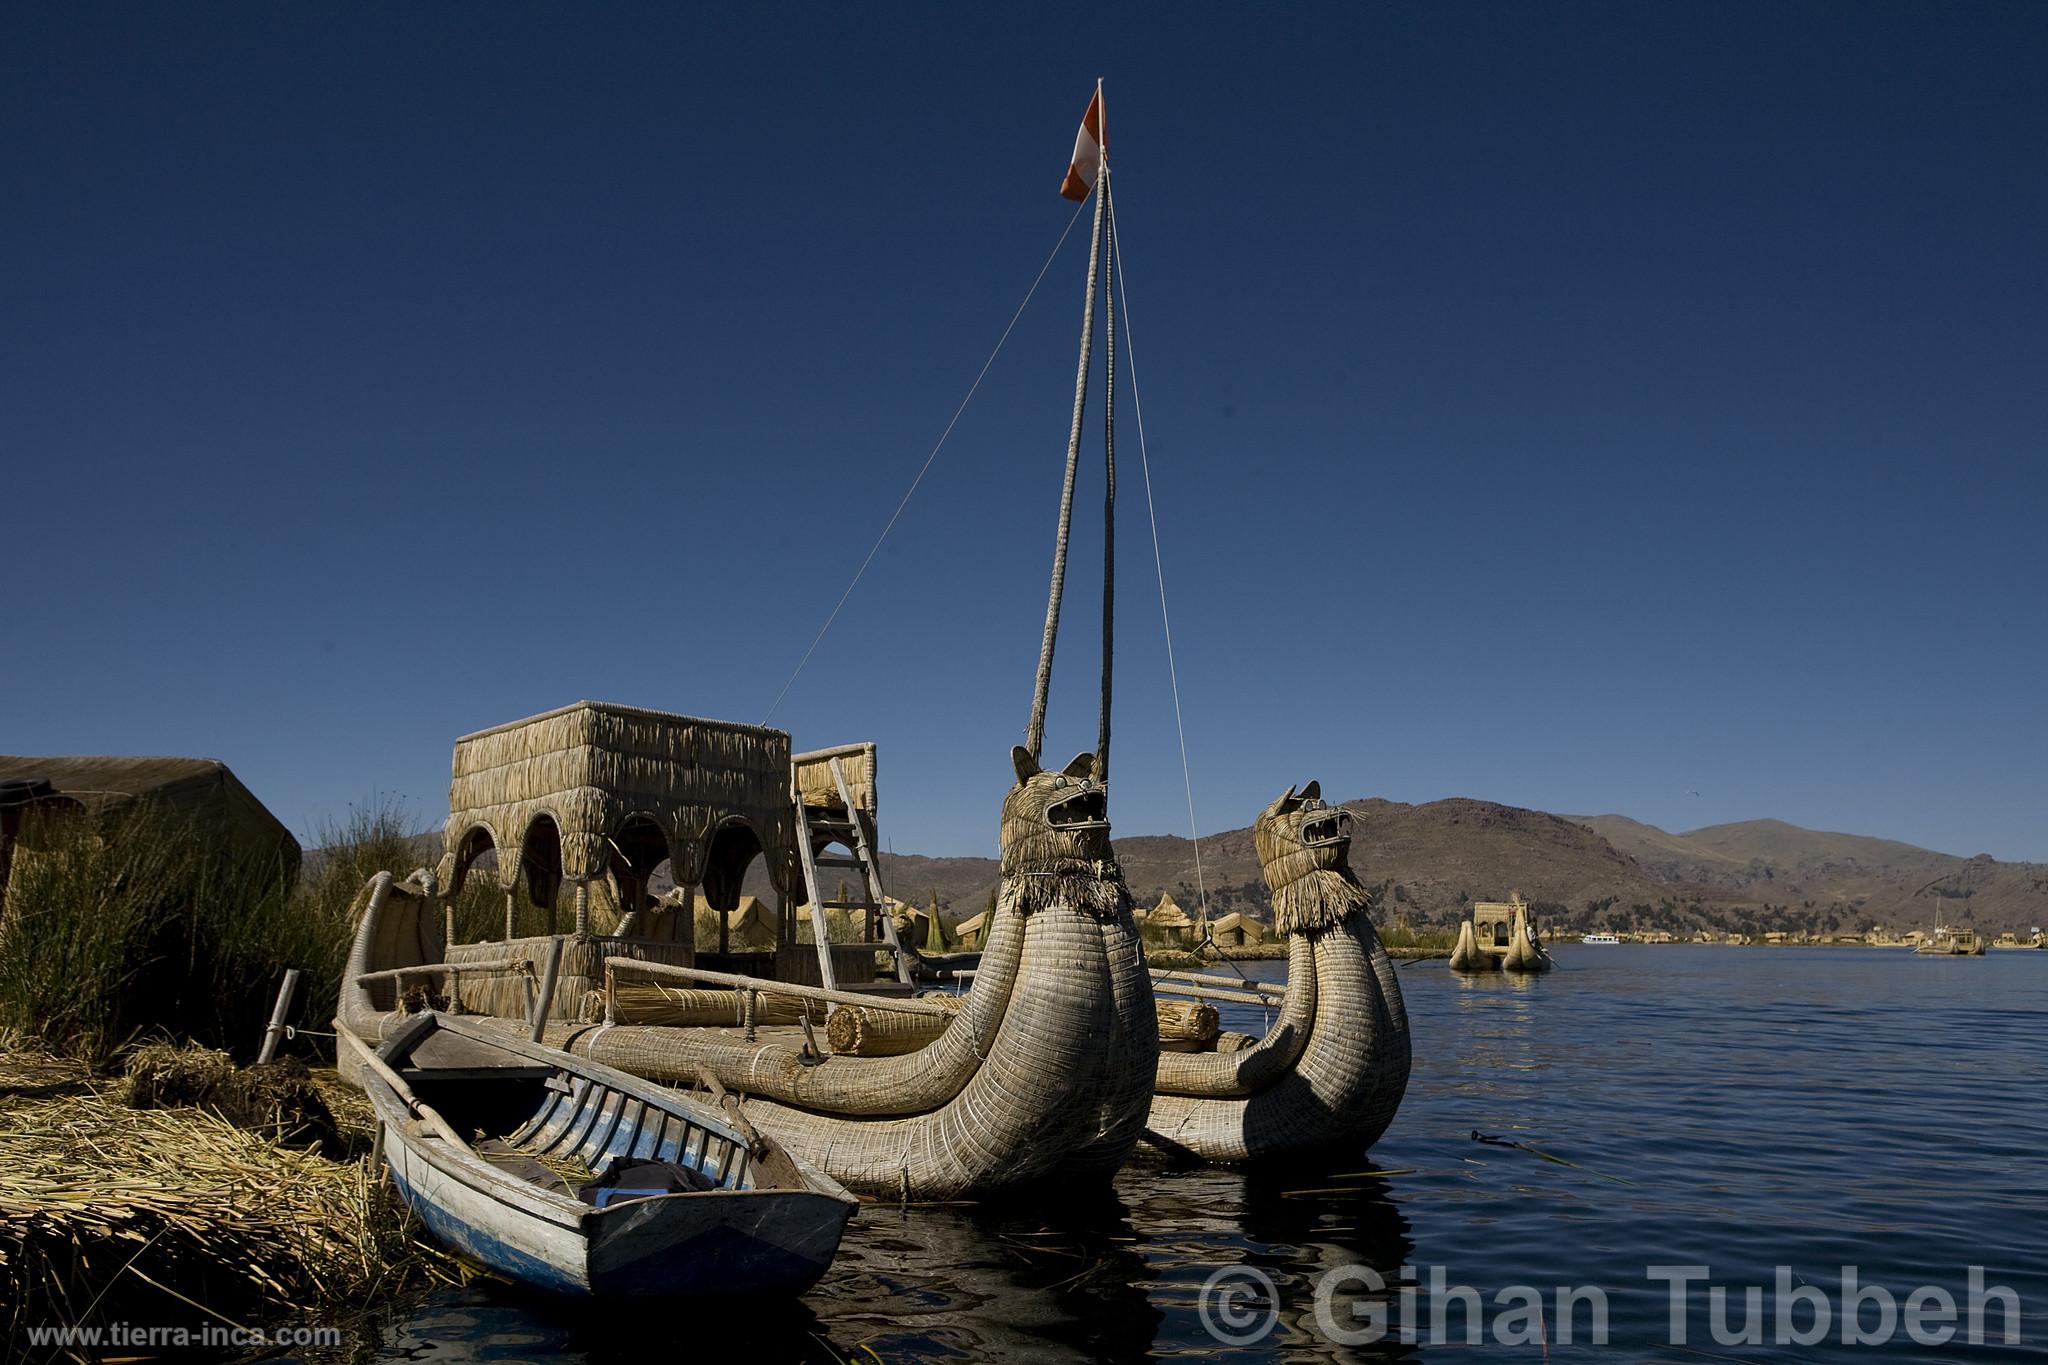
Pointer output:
926, 468
1158, 562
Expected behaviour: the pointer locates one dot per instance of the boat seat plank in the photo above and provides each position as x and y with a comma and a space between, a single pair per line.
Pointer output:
445, 1051
414, 1074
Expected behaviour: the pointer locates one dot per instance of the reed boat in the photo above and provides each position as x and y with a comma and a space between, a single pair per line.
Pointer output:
1330, 1072
581, 1180
1949, 941
1042, 1071
1500, 936
1045, 1067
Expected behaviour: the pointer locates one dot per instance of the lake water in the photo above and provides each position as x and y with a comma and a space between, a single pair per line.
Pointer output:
1737, 1109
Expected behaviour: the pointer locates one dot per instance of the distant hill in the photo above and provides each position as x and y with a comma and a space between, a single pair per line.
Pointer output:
1853, 876
1426, 862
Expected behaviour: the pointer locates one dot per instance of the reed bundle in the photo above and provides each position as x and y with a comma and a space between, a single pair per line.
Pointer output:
869, 1031
1190, 1023
650, 1002
112, 1213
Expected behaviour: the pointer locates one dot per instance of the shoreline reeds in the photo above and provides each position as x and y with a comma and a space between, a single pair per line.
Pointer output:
112, 1213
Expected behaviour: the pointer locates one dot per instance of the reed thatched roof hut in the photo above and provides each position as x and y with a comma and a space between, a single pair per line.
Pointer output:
574, 793
202, 790
753, 924
1167, 920
1237, 930
969, 931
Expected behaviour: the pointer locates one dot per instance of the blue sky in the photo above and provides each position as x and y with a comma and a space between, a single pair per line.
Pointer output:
1578, 406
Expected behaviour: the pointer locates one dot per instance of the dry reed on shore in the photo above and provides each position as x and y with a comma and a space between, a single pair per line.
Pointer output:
278, 1100
110, 1213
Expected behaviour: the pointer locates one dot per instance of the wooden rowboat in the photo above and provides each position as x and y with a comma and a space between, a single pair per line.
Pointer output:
582, 1180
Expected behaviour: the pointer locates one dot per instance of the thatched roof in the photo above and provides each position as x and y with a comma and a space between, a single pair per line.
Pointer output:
1237, 922
753, 914
1167, 914
202, 789
621, 785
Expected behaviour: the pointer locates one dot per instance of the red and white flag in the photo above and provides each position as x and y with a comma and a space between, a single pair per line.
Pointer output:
1087, 163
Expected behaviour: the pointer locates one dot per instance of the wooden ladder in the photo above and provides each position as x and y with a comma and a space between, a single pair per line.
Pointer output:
809, 830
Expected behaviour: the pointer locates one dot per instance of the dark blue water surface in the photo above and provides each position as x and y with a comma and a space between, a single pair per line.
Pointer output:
1737, 1109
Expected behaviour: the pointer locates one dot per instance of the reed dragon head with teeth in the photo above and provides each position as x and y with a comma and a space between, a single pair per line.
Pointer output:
1304, 850
1055, 837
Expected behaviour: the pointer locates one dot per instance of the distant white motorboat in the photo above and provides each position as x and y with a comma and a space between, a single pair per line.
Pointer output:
1600, 939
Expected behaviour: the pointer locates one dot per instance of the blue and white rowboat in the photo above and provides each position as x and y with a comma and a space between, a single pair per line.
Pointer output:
749, 1219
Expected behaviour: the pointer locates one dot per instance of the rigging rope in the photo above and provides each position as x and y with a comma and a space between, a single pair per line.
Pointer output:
926, 468
1158, 564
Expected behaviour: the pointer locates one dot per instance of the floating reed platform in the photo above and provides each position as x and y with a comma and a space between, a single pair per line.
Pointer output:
112, 1213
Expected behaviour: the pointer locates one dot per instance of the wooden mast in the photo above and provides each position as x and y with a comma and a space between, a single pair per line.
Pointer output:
1034, 733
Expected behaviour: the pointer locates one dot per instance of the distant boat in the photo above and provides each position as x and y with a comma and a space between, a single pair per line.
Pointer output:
1500, 936
1951, 942
582, 1180
1601, 939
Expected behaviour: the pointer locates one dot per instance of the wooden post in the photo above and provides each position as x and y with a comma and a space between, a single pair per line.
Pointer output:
541, 1006
278, 1012
431, 888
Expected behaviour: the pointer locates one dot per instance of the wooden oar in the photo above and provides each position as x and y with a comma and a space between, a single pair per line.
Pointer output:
424, 1111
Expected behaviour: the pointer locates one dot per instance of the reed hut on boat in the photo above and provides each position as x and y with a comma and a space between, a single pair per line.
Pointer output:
596, 792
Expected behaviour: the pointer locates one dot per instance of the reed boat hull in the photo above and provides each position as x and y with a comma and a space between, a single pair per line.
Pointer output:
1047, 1072
1331, 1071
1327, 1076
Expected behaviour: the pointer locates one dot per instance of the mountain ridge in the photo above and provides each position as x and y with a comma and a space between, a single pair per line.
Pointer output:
1427, 862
